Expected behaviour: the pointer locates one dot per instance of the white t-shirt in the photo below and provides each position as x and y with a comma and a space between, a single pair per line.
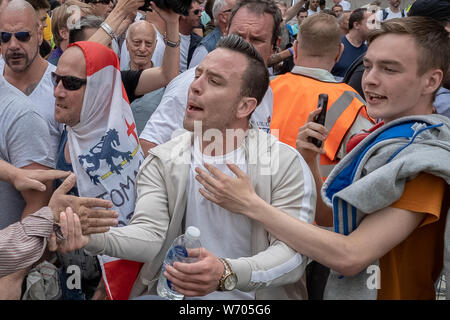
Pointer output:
197, 57
391, 15
310, 12
42, 97
223, 233
167, 120
184, 51
345, 5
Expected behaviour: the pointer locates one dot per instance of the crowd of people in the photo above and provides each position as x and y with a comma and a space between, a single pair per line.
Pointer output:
122, 125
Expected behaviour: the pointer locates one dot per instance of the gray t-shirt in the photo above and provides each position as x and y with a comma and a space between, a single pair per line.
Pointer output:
24, 139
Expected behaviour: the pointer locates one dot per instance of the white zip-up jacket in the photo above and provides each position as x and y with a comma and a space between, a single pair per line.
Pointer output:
279, 175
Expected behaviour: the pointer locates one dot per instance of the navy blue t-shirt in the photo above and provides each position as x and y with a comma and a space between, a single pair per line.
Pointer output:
349, 55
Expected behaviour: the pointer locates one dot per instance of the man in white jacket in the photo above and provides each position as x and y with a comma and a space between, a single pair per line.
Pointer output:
228, 86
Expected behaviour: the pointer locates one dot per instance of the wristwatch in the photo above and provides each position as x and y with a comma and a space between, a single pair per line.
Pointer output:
171, 43
229, 280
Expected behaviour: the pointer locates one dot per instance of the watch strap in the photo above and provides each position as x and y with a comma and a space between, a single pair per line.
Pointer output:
227, 271
171, 43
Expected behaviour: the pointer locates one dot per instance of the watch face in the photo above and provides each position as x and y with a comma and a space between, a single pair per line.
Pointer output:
230, 282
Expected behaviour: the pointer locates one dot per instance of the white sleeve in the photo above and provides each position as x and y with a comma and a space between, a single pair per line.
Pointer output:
124, 57
167, 120
197, 57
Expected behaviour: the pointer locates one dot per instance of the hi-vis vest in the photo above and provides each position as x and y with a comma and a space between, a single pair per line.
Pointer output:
296, 96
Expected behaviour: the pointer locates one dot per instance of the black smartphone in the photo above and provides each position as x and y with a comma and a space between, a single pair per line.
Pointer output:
146, 6
320, 118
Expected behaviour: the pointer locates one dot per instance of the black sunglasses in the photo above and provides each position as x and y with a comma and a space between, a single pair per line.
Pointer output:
102, 1
22, 36
197, 11
69, 82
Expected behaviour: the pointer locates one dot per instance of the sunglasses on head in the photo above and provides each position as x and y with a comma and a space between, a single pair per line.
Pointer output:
69, 82
22, 36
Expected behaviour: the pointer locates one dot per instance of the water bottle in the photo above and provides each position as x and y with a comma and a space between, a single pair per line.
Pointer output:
178, 252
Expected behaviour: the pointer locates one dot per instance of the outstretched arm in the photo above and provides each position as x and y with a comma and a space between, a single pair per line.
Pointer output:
375, 236
23, 179
119, 19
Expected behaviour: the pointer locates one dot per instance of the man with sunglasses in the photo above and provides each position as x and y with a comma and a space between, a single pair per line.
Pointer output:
76, 100
101, 8
221, 12
189, 39
25, 71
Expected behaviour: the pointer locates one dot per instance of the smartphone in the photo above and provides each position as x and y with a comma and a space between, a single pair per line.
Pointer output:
146, 6
320, 118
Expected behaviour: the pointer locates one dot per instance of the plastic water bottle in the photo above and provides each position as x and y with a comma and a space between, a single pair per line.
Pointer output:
178, 252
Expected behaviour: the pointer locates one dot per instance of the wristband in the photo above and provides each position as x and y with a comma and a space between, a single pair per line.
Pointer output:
107, 28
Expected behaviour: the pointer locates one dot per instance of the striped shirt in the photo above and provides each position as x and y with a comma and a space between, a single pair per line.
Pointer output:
24, 242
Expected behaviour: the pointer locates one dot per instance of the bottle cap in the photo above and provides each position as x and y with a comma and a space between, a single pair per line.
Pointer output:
193, 232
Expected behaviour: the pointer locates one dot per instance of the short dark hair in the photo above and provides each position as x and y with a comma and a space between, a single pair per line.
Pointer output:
356, 16
261, 7
301, 10
255, 80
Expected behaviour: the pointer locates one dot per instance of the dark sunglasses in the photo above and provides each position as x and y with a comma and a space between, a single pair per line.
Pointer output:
106, 2
197, 11
69, 82
22, 36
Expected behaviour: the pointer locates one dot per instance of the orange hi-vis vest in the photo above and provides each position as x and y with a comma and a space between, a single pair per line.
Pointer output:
296, 96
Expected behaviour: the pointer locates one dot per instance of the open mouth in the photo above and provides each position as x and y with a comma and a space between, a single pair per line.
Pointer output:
193, 108
375, 98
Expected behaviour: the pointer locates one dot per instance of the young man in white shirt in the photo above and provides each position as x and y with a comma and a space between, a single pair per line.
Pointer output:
391, 12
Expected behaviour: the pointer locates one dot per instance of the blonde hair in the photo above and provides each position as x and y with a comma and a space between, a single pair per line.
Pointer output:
62, 14
320, 35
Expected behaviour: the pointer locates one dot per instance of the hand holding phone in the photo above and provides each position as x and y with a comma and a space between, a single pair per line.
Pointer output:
320, 118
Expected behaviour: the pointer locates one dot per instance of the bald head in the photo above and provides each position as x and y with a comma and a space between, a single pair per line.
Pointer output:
141, 42
20, 54
143, 27
17, 7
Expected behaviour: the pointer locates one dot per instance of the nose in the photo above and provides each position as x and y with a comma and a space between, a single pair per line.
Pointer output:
59, 91
370, 77
196, 86
142, 46
13, 43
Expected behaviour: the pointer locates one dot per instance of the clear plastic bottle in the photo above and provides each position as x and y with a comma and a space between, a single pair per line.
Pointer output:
178, 252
